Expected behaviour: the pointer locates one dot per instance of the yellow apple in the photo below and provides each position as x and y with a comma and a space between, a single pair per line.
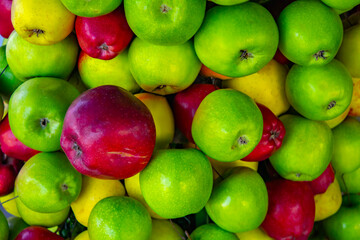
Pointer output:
166, 230
10, 206
83, 236
92, 191
267, 86
256, 234
355, 101
163, 118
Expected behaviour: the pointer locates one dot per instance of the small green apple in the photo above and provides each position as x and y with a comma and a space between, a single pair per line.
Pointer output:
319, 92
28, 60
228, 2
16, 225
310, 32
37, 110
166, 230
91, 8
177, 182
306, 149
4, 227
239, 202
165, 22
119, 218
237, 40
163, 69
342, 5
210, 232
227, 125
48, 183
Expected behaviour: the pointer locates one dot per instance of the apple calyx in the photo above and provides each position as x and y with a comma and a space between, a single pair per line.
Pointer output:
159, 87
44, 122
77, 149
320, 54
244, 54
274, 134
242, 140
64, 187
165, 8
36, 31
331, 105
104, 47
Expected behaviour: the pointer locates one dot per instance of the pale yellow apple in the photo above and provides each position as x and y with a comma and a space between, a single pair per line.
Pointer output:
41, 22
355, 101
267, 86
83, 236
256, 234
132, 185
166, 230
10, 206
329, 202
336, 121
92, 191
163, 118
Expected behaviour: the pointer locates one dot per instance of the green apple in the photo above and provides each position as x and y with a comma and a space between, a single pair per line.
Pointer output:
48, 183
119, 218
345, 223
177, 182
239, 202
319, 92
97, 72
310, 32
227, 125
16, 225
349, 182
306, 149
4, 227
8, 82
349, 51
34, 218
166, 230
28, 60
37, 110
342, 5
163, 69
228, 2
237, 40
165, 22
210, 232
91, 8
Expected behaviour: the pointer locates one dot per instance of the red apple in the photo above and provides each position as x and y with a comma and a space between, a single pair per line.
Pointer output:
291, 211
320, 184
9, 169
11, 146
103, 37
272, 137
6, 26
185, 105
280, 58
37, 233
108, 133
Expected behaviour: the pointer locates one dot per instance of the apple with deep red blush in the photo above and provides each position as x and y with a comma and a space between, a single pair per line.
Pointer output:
271, 140
321, 183
108, 133
186, 103
103, 37
11, 146
9, 169
36, 232
6, 26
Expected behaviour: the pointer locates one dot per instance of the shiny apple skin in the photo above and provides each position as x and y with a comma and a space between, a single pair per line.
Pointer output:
320, 184
185, 105
103, 37
271, 140
6, 26
11, 146
108, 133
37, 233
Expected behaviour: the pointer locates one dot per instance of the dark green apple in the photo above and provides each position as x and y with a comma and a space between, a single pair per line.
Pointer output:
237, 40
210, 232
319, 92
4, 227
37, 110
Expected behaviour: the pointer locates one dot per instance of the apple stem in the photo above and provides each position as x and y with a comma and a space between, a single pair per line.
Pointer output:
320, 54
187, 235
217, 173
44, 122
244, 55
331, 105
4, 69
164, 8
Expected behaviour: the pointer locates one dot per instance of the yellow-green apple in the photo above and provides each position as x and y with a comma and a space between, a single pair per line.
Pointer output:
255, 234
83, 236
220, 168
32, 21
10, 206
48, 183
36, 232
27, 60
163, 69
119, 218
166, 230
349, 182
267, 86
177, 182
354, 110
16, 225
228, 2
34, 123
291, 210
108, 133
9, 169
163, 118
4, 227
92, 191
186, 103
237, 40
226, 131
345, 223
321, 183
239, 202
6, 26
211, 231
319, 92
11, 146
312, 141
272, 136
97, 72
103, 37
341, 5
349, 51
315, 44
93, 8
165, 23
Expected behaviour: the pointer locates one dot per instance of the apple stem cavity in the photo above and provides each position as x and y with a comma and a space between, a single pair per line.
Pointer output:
320, 54
244, 55
159, 87
64, 187
44, 122
274, 134
243, 140
37, 31
331, 105
164, 8
104, 47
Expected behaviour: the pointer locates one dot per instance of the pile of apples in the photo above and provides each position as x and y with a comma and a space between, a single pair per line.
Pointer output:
176, 120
